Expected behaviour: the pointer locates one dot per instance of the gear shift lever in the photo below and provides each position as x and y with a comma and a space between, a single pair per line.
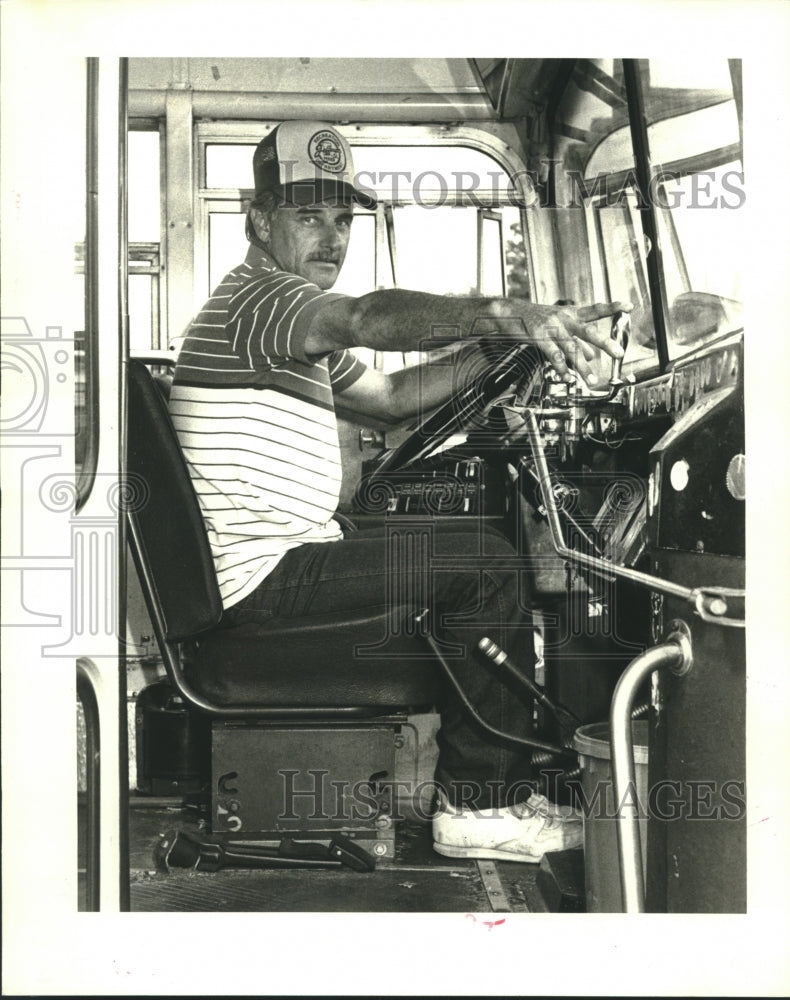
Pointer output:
621, 331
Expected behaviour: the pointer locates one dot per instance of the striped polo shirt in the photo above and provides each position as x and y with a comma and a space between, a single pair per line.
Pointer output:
256, 421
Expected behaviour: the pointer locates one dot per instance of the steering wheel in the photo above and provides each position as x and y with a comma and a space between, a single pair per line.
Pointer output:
463, 410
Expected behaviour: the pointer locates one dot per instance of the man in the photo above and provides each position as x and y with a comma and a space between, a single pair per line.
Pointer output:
253, 406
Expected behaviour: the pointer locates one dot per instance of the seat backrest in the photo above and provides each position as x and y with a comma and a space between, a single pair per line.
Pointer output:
168, 535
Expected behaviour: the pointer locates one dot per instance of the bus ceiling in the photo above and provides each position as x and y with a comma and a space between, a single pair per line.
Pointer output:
539, 98
362, 90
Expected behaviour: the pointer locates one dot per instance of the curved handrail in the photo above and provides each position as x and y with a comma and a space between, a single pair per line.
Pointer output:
675, 654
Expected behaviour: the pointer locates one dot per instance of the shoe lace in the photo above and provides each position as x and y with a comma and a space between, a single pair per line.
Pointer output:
535, 806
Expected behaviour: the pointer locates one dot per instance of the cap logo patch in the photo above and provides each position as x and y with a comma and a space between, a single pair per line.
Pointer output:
326, 152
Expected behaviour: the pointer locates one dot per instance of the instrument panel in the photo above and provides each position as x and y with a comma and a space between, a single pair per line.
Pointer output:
678, 390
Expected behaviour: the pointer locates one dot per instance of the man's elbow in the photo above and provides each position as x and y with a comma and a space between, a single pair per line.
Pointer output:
356, 318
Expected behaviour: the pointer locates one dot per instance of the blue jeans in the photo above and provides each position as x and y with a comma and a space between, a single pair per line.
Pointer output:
470, 577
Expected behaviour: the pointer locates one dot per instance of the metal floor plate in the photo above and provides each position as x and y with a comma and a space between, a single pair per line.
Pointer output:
385, 890
418, 880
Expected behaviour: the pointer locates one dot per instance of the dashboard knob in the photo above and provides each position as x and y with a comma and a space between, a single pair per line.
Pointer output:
370, 439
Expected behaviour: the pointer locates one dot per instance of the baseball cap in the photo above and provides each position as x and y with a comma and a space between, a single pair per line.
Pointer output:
306, 162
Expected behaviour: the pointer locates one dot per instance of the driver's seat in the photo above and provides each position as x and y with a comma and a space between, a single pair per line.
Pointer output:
306, 713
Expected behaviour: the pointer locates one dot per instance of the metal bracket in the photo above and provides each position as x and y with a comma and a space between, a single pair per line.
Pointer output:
711, 604
680, 634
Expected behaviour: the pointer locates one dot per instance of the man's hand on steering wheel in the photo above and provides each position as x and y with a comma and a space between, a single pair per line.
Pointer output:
565, 334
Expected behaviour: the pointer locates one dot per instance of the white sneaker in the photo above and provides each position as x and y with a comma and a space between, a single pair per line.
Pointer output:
523, 832
543, 805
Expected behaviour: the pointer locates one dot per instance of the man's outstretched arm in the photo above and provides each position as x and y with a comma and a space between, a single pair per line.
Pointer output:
401, 320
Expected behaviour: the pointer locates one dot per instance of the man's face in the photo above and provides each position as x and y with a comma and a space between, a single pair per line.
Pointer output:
310, 240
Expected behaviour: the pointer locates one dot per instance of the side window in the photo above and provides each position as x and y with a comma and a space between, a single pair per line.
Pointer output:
490, 253
224, 190
436, 249
703, 234
226, 240
145, 265
695, 188
623, 253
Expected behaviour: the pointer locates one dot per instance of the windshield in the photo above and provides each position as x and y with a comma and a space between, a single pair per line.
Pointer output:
696, 190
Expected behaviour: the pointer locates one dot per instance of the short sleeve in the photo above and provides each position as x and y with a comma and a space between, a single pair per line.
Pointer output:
269, 318
344, 369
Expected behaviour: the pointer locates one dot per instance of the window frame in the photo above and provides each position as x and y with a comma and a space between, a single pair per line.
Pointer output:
146, 258
490, 215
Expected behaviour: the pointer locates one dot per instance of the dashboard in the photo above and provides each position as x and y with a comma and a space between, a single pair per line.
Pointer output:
660, 462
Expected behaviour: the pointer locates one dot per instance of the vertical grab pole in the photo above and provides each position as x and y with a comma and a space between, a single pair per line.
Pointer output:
675, 654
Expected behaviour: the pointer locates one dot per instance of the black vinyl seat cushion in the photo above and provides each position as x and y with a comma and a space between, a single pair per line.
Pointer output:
317, 662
